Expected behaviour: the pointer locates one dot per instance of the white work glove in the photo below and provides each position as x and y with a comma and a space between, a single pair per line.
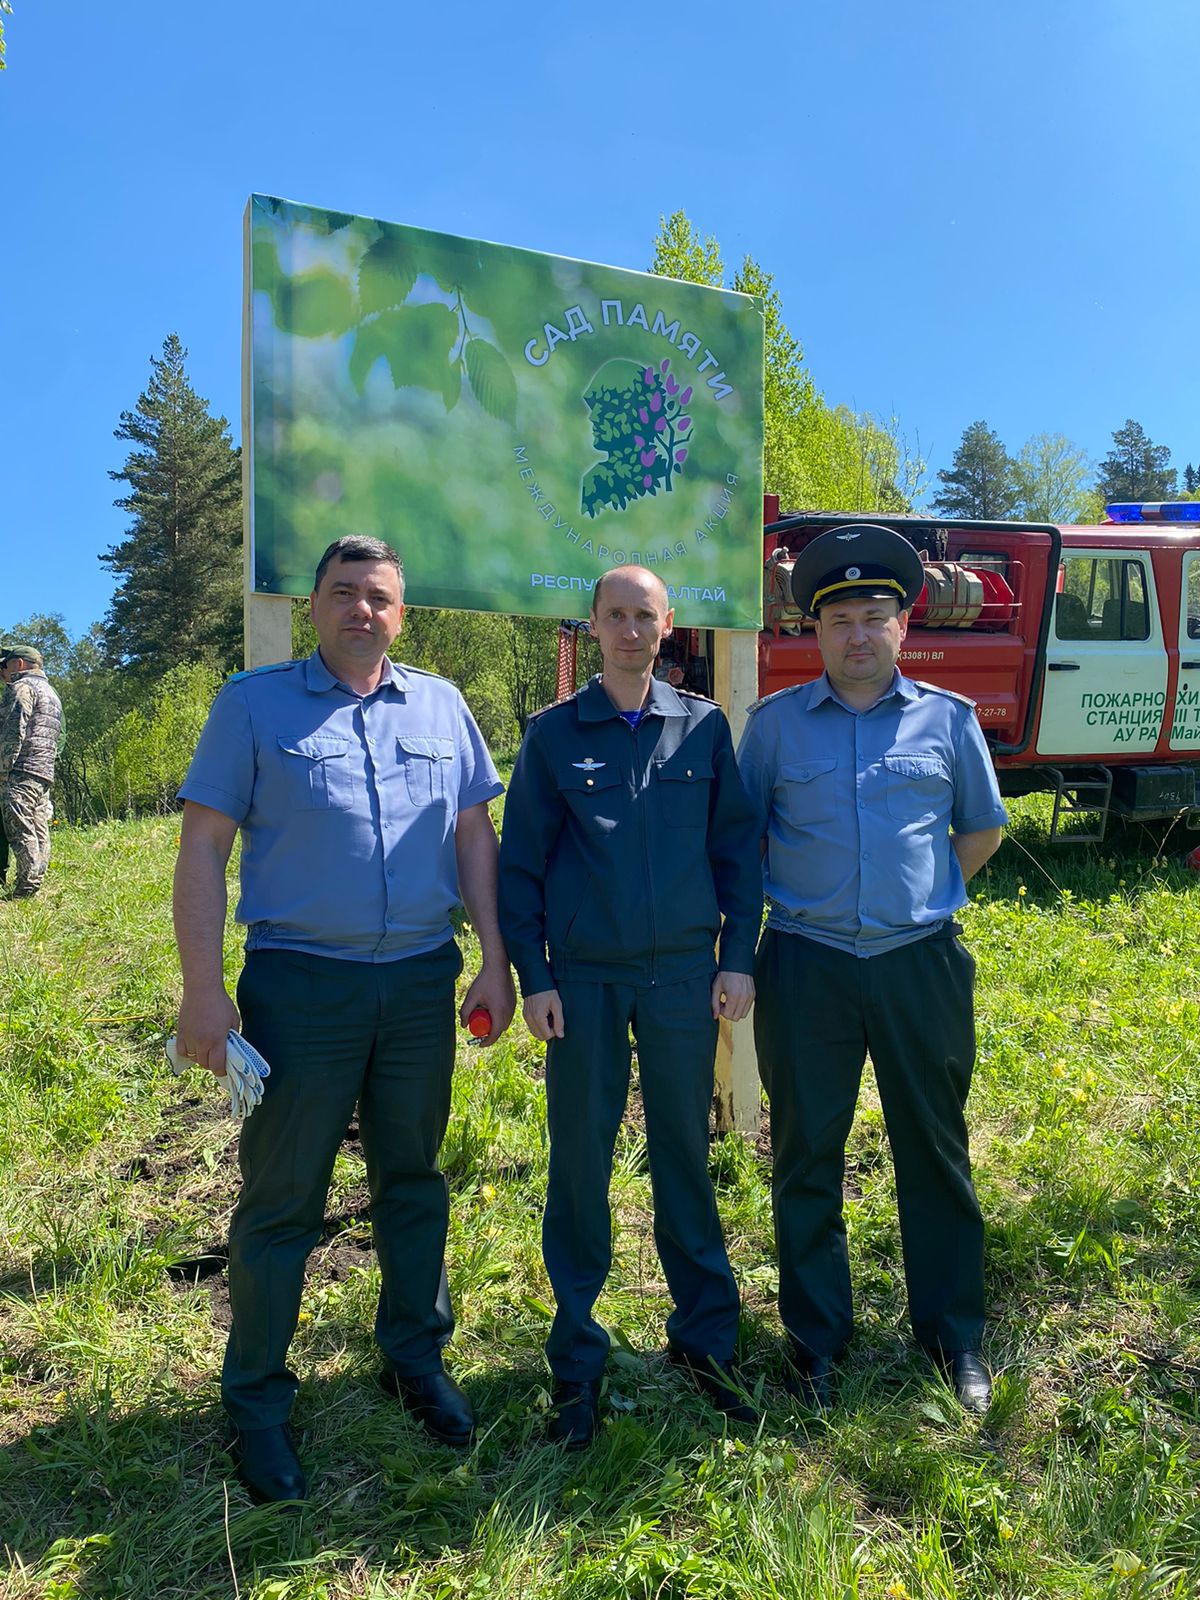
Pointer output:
244, 1072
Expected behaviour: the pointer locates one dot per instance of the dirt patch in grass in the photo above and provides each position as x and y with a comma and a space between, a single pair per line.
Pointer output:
343, 1252
344, 1248
197, 1121
196, 1149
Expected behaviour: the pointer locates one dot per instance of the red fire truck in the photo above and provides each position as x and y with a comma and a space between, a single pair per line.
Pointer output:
1079, 645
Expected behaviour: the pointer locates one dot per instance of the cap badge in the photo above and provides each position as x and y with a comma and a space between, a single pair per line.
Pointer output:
854, 572
589, 764
851, 535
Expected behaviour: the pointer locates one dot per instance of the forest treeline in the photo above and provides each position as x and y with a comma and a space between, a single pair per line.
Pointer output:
136, 685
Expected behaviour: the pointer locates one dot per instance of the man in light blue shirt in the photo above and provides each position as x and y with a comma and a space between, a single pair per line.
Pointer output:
360, 788
877, 800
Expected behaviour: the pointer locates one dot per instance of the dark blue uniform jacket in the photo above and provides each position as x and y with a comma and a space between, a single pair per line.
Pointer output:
623, 848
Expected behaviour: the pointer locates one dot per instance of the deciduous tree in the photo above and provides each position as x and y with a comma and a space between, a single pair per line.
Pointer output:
795, 419
93, 695
178, 569
46, 630
814, 456
1051, 479
681, 252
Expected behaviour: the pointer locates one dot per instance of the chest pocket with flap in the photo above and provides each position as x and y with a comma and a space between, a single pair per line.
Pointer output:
683, 781
317, 772
427, 763
806, 792
595, 795
918, 787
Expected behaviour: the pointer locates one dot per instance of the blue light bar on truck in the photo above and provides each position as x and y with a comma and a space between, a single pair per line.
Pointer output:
1155, 511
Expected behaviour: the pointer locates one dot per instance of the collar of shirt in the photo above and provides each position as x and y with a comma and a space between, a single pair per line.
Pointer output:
823, 690
319, 679
595, 706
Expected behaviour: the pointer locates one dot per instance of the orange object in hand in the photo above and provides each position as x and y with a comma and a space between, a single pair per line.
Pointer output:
479, 1023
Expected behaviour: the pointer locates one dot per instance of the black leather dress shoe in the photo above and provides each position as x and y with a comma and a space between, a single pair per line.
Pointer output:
266, 1462
576, 1414
437, 1403
718, 1383
811, 1379
967, 1374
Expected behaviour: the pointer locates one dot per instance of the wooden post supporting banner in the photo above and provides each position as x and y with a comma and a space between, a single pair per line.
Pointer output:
737, 1093
268, 629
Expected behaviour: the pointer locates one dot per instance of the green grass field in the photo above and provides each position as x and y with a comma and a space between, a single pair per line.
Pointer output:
1084, 1480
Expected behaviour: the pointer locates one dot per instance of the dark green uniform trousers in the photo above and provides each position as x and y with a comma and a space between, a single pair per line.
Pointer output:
817, 1014
587, 1085
336, 1034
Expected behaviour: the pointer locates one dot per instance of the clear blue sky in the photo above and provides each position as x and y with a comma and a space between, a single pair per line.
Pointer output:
970, 210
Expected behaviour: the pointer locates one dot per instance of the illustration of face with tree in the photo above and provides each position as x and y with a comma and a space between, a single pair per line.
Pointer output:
641, 424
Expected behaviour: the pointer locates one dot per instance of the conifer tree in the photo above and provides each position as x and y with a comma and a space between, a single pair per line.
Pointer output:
981, 481
1136, 469
179, 568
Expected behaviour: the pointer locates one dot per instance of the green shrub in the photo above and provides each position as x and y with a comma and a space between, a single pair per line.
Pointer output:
138, 765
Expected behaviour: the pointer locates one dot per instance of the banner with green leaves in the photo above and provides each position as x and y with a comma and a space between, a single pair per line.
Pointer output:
513, 423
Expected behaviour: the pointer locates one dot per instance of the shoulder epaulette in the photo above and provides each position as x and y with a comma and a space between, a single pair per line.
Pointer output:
937, 688
421, 672
776, 694
694, 694
254, 672
553, 706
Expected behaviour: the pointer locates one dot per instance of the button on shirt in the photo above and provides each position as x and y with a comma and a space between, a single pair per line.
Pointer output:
857, 809
347, 805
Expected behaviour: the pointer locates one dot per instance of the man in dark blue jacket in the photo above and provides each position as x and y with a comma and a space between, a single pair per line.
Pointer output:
627, 838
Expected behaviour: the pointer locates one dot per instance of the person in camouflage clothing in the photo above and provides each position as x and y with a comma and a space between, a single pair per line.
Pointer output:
31, 721
4, 677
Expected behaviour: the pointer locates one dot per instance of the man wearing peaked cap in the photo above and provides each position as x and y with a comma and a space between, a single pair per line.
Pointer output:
857, 562
877, 801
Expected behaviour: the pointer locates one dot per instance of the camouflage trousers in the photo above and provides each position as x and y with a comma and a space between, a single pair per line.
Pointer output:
25, 804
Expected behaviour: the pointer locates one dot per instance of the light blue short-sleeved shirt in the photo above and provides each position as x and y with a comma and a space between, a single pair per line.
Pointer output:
857, 808
347, 805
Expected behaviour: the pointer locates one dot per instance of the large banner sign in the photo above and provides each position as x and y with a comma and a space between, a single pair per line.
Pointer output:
513, 423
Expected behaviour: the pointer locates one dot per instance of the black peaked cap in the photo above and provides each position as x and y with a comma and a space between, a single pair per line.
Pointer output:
860, 561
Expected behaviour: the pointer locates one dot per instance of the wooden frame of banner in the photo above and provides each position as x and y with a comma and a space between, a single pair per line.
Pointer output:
266, 618
737, 1092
